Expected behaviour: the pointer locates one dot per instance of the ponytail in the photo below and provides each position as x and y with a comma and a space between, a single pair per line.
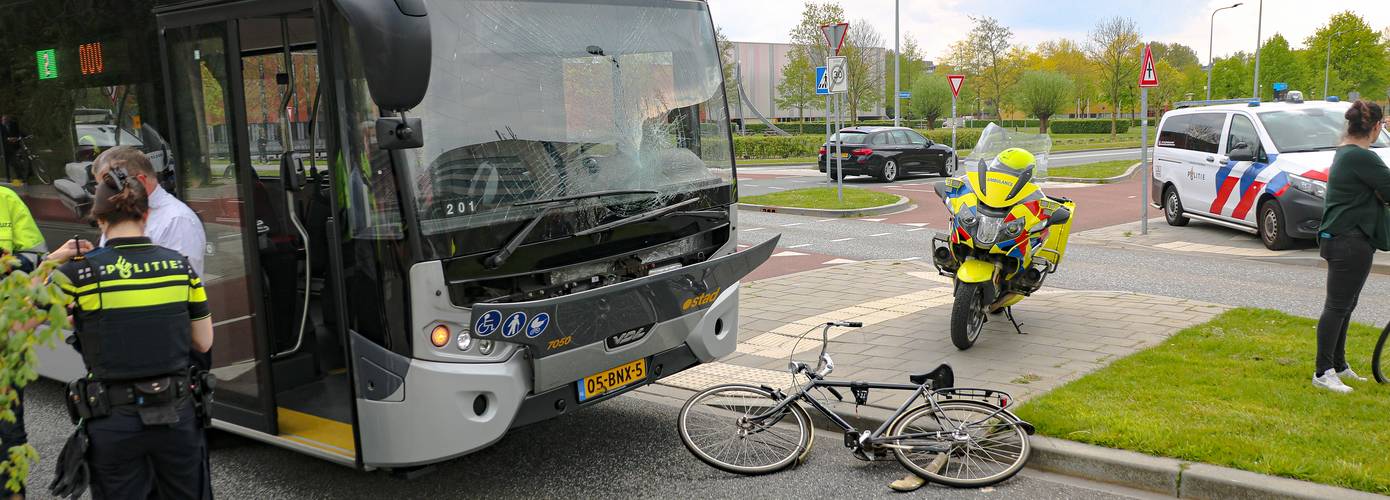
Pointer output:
1363, 118
120, 196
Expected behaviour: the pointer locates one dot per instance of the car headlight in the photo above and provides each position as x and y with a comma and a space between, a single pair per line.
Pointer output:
1313, 187
988, 231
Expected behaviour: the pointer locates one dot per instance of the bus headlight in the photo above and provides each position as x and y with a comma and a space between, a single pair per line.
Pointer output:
464, 340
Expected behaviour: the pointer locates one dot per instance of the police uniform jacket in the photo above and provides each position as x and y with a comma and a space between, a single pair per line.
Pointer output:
134, 302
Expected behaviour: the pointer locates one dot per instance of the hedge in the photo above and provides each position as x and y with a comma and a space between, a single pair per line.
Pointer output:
773, 146
1100, 126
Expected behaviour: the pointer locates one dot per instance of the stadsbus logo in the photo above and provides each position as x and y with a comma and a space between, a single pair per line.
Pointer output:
700, 300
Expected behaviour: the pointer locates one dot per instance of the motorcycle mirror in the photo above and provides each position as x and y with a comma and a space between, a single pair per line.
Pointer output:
1059, 216
940, 189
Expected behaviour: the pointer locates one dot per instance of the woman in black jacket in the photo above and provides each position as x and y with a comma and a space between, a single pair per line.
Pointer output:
1355, 222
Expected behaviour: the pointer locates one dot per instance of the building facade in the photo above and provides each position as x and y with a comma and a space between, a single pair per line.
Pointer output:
760, 70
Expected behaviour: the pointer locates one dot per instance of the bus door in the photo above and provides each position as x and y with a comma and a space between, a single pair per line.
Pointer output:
253, 138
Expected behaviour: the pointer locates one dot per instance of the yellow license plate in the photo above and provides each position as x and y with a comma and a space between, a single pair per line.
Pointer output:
844, 155
611, 380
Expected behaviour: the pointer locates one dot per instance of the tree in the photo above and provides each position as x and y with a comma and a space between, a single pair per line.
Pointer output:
989, 43
1231, 76
807, 36
865, 63
931, 98
728, 58
20, 292
1068, 57
1112, 46
798, 86
1043, 94
1360, 55
912, 63
1279, 64
1178, 55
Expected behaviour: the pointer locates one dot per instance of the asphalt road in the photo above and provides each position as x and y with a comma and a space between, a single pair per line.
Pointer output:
626, 448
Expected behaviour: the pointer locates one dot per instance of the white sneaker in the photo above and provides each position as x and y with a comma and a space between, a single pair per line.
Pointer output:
1328, 380
1347, 373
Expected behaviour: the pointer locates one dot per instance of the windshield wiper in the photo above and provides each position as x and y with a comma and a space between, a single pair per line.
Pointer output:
652, 214
497, 259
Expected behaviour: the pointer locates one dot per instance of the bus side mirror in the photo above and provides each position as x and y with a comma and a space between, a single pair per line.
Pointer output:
393, 40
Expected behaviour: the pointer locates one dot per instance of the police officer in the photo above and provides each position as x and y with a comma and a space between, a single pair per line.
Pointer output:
140, 309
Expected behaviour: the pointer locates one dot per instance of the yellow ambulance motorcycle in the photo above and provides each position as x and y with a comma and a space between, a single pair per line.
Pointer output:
1005, 238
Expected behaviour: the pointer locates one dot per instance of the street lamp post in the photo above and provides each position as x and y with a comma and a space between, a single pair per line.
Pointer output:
897, 71
1327, 69
1210, 38
1259, 25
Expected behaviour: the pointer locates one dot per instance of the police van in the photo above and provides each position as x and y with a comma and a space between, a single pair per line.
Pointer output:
1259, 167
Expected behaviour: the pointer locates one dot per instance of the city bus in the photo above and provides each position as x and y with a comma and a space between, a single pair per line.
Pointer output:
428, 222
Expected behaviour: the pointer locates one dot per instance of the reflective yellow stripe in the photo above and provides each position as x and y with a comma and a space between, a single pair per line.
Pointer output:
195, 281
130, 282
175, 294
196, 294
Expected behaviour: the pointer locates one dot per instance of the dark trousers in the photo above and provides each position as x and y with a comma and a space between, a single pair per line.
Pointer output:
130, 460
12, 435
1348, 258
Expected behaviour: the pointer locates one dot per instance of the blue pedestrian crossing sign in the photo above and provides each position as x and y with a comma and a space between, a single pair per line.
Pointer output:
822, 83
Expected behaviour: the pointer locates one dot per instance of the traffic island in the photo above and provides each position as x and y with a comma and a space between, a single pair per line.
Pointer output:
1104, 172
825, 202
1232, 392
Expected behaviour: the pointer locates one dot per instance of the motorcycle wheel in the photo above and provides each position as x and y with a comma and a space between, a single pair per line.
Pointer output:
967, 315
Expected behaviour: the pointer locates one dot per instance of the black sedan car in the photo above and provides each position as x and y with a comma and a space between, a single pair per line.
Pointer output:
887, 153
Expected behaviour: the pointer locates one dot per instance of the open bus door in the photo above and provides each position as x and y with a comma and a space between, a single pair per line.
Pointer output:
252, 133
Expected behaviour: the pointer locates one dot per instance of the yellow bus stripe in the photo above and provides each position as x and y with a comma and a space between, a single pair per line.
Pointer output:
324, 434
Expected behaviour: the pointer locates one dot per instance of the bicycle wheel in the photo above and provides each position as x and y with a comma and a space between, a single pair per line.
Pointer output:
718, 427
1377, 358
39, 172
960, 445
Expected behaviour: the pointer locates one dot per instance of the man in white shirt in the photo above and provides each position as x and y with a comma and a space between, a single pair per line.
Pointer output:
171, 224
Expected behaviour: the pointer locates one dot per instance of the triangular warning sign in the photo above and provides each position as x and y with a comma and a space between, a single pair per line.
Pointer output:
1147, 76
834, 35
956, 81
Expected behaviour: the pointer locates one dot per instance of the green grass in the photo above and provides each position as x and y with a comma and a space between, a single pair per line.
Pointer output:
1097, 170
822, 197
1234, 391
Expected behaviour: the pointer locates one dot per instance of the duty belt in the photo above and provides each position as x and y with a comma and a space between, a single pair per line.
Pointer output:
91, 398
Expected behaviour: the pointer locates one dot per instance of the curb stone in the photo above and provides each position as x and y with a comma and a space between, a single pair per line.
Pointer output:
824, 212
1168, 476
1108, 180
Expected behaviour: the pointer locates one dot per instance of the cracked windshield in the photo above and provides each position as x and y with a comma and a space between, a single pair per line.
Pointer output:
530, 101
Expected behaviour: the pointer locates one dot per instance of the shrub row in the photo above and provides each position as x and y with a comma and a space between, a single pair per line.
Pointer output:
1098, 126
772, 146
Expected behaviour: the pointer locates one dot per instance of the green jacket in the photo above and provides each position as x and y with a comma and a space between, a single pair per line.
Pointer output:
1358, 188
19, 235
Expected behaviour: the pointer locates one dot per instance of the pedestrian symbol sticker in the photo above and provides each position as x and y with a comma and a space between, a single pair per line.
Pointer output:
537, 325
487, 323
514, 324
822, 83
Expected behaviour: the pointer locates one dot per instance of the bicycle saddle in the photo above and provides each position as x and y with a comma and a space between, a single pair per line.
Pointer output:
941, 377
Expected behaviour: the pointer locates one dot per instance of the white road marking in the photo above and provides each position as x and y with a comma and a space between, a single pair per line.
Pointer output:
915, 224
787, 254
825, 220
751, 229
880, 234
777, 188
801, 245
841, 239
873, 220
912, 258
914, 230
793, 224
838, 261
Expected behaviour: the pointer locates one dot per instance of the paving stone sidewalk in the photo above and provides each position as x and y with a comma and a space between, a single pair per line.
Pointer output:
906, 307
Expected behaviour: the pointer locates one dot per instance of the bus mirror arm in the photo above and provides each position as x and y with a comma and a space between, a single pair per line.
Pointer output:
399, 133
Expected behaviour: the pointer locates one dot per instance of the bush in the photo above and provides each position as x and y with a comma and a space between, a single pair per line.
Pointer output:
1001, 123
776, 146
1087, 126
965, 137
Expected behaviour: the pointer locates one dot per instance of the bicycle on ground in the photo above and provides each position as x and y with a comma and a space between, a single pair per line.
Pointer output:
27, 162
1378, 357
959, 437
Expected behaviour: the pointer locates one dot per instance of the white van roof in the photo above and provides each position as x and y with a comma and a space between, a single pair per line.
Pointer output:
1264, 106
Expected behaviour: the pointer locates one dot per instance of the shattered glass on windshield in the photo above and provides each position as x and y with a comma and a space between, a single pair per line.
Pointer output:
537, 100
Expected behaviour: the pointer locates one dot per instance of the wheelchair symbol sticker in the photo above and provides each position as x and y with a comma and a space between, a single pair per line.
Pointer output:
514, 324
487, 323
537, 325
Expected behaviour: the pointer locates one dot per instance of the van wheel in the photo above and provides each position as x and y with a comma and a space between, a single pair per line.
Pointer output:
1172, 208
1273, 226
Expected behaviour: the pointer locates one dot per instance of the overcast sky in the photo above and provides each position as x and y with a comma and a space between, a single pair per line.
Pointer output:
937, 23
